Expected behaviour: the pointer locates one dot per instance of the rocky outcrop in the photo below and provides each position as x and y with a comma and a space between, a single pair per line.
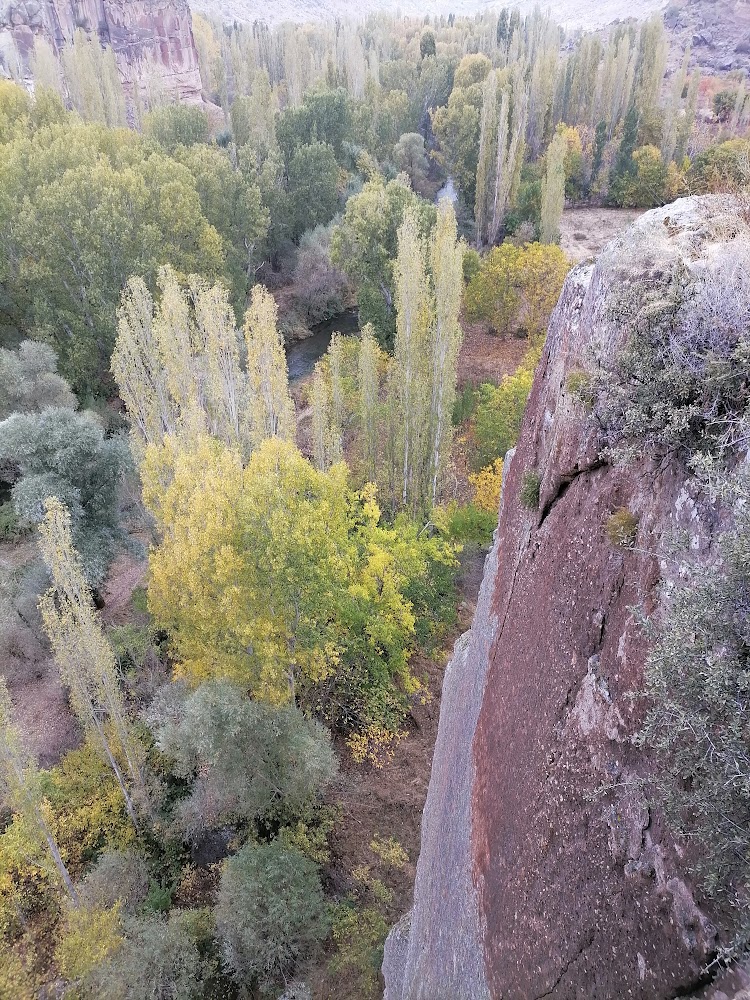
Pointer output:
717, 32
543, 871
152, 39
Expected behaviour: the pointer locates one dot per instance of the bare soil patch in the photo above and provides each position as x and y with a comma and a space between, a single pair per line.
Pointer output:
486, 357
584, 232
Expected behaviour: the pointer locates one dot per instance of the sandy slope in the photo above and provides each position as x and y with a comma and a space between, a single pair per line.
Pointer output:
573, 13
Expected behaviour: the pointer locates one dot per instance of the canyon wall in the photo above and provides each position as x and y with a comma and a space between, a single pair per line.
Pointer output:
544, 873
152, 39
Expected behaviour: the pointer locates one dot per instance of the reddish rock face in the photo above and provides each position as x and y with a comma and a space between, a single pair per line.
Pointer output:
565, 884
152, 39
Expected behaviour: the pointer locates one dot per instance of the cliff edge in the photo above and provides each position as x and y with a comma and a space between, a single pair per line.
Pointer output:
152, 39
544, 873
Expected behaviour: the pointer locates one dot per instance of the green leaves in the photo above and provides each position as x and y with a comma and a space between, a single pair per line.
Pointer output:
271, 912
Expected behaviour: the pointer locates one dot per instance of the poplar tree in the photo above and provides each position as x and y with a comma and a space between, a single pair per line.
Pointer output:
87, 663
20, 784
487, 140
367, 381
411, 329
335, 361
511, 147
446, 336
272, 409
138, 369
226, 391
553, 190
320, 419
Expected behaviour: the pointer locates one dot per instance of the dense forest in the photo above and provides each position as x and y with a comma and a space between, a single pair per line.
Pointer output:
303, 541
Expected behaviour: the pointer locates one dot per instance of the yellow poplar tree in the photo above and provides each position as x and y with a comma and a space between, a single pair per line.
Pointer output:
138, 368
553, 190
249, 564
87, 663
272, 409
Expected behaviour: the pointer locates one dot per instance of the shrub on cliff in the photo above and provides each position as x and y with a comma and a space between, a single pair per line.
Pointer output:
682, 381
698, 685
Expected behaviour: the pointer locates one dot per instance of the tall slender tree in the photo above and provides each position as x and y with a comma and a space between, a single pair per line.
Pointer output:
412, 317
335, 363
87, 663
486, 161
320, 419
271, 403
368, 385
445, 336
553, 190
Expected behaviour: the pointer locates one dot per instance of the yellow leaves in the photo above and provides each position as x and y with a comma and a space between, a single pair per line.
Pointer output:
390, 852
488, 486
517, 287
89, 937
249, 560
15, 979
374, 744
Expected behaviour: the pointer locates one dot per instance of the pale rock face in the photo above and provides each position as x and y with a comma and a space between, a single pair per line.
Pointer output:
543, 871
150, 38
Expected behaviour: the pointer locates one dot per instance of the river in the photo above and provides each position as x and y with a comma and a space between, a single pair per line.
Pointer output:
301, 356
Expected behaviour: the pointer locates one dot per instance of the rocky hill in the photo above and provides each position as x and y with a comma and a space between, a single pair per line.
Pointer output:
573, 13
718, 32
151, 38
543, 870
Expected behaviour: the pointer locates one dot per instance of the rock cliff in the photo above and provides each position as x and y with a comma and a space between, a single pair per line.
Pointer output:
543, 871
150, 38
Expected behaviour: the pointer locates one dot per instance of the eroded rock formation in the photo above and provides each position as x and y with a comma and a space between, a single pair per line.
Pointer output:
543, 871
152, 39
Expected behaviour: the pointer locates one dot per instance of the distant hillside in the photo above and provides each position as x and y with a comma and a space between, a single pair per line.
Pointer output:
718, 32
574, 13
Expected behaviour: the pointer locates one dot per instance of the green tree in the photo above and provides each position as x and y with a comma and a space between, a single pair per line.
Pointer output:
412, 324
83, 209
365, 247
427, 44
313, 186
29, 381
499, 414
446, 336
158, 956
271, 913
410, 158
233, 205
177, 125
65, 454
244, 760
324, 117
